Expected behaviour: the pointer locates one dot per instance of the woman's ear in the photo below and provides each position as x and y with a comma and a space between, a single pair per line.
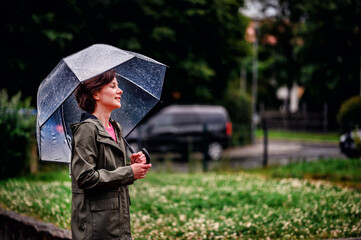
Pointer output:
96, 96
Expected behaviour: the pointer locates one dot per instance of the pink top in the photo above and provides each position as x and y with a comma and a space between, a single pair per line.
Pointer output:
111, 132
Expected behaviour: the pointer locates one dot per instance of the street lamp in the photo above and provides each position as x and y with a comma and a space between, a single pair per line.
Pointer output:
256, 11
251, 36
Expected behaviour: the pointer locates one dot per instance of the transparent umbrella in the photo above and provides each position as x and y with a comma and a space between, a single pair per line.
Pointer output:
141, 78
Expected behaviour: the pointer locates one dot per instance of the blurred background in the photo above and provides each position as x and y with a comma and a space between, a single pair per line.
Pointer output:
287, 65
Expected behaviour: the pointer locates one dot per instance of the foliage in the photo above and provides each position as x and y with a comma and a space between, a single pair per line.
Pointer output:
318, 47
349, 113
201, 41
329, 49
238, 104
17, 127
278, 66
209, 206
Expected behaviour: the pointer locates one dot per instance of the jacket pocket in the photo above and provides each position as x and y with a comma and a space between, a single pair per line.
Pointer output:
106, 218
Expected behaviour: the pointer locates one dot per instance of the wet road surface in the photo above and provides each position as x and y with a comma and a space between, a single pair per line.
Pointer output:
282, 152
251, 156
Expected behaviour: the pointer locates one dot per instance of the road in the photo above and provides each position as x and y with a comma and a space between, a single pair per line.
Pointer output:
251, 156
282, 152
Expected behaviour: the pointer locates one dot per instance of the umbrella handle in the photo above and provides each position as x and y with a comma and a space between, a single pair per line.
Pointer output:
147, 156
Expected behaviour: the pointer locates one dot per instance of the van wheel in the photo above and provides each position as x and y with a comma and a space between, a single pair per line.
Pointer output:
215, 151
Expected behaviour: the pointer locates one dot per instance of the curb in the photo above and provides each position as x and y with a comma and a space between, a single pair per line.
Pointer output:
15, 226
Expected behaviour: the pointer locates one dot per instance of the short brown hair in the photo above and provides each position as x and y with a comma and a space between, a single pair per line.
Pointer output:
86, 90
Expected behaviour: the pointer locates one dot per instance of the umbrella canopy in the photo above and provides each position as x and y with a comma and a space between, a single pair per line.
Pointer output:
141, 79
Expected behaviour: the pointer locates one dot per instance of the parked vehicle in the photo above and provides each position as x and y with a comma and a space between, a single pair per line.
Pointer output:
350, 144
184, 128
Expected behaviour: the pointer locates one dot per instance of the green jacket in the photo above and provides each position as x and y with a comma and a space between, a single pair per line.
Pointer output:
99, 176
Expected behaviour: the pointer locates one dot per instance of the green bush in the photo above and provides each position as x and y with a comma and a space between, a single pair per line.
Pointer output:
17, 126
349, 115
238, 105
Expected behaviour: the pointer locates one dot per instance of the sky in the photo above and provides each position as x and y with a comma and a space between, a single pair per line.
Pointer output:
253, 9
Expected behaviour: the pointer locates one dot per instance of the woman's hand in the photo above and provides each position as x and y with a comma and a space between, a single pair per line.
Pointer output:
138, 157
140, 170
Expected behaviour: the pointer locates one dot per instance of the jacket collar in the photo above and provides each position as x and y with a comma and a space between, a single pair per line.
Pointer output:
85, 116
88, 117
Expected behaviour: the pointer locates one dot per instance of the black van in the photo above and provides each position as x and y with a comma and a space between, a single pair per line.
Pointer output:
183, 128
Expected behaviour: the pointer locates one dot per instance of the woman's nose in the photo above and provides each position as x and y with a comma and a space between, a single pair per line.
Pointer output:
120, 91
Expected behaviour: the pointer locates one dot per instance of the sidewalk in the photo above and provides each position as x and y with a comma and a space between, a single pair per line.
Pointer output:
257, 149
280, 152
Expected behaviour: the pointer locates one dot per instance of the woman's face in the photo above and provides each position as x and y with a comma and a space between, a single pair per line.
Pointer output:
109, 96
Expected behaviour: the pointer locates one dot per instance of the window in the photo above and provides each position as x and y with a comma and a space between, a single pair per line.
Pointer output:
212, 118
165, 120
185, 119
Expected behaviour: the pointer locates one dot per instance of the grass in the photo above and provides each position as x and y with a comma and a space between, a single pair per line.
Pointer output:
345, 172
300, 136
211, 205
49, 201
233, 206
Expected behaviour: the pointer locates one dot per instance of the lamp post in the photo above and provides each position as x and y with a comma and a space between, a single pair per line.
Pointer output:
254, 81
257, 11
252, 37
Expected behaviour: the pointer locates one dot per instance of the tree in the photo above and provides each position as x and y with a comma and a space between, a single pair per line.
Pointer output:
201, 41
17, 125
329, 52
278, 64
332, 35
318, 47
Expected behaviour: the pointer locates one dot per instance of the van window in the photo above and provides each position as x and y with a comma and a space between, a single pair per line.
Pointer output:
165, 120
184, 119
212, 118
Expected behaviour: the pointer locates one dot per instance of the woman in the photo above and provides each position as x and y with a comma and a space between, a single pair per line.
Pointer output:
100, 175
